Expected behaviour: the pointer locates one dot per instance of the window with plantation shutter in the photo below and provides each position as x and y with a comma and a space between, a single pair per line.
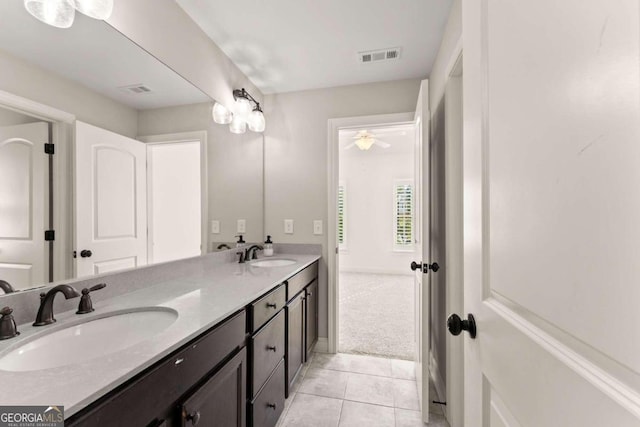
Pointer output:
342, 210
403, 216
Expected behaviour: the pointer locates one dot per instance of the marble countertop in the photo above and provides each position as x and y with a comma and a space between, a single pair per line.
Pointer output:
203, 298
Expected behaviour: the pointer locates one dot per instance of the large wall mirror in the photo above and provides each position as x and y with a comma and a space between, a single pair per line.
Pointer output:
107, 147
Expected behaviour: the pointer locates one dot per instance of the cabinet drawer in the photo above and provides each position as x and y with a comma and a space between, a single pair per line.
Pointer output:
221, 401
267, 349
139, 401
267, 307
298, 282
268, 406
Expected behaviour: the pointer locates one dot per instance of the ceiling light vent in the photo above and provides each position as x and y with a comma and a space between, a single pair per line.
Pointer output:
379, 55
138, 89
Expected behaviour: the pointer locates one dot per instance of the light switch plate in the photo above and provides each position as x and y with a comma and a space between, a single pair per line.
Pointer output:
288, 226
317, 227
215, 226
242, 226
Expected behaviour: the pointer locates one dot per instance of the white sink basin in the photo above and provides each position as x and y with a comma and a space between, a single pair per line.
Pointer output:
89, 340
273, 262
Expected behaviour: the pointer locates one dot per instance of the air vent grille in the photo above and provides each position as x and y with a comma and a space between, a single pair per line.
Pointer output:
138, 89
370, 56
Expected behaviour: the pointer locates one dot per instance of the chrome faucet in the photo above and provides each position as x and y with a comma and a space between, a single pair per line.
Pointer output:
45, 313
6, 287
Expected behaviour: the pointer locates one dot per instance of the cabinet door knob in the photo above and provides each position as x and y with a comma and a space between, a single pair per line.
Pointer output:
194, 418
272, 348
272, 305
272, 406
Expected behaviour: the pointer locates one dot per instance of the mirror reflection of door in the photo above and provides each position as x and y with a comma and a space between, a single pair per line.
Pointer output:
111, 205
174, 201
23, 253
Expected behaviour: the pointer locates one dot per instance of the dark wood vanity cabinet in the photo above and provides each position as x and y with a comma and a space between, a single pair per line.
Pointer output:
302, 320
192, 379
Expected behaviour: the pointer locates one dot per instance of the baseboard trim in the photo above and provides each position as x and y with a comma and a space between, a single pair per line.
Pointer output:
322, 345
434, 371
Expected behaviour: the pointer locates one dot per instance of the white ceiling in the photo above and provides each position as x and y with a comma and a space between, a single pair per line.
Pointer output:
95, 55
290, 45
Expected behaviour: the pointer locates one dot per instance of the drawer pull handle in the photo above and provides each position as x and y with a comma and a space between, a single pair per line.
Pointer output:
194, 418
272, 406
272, 305
178, 361
310, 293
274, 348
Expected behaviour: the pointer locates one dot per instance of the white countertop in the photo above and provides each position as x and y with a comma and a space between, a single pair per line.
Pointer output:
203, 298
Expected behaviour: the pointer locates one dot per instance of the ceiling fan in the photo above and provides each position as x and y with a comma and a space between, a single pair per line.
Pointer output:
364, 140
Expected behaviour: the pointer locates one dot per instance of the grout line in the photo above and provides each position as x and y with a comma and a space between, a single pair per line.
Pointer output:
361, 373
340, 416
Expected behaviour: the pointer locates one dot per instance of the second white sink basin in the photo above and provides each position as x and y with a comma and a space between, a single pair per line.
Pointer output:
89, 340
273, 262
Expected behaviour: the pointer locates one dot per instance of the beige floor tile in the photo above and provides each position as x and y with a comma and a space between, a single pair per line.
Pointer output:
405, 394
370, 389
406, 418
403, 369
353, 363
324, 382
313, 411
355, 414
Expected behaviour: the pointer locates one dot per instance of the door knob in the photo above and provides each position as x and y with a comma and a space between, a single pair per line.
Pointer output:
425, 267
85, 253
456, 325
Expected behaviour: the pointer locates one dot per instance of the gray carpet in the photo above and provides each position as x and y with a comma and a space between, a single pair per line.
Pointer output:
377, 315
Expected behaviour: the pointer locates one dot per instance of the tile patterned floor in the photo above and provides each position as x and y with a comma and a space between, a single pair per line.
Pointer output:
345, 390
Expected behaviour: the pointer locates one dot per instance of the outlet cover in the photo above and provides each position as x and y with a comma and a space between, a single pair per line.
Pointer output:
242, 226
215, 226
288, 226
317, 227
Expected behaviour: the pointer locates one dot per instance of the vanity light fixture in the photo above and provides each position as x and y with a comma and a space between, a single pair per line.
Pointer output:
61, 13
245, 114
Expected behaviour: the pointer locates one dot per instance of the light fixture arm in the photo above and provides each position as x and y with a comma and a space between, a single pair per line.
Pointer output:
242, 93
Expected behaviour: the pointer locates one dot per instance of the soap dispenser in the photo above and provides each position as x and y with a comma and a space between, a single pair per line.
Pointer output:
240, 243
268, 247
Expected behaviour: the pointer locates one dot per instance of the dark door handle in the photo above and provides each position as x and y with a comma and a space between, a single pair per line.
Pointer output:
425, 267
456, 325
85, 253
194, 418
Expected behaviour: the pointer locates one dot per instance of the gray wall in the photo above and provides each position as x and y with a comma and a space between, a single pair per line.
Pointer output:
296, 156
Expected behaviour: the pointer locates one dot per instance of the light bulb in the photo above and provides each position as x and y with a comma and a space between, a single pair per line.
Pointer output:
364, 142
242, 108
96, 9
221, 114
238, 124
58, 13
256, 121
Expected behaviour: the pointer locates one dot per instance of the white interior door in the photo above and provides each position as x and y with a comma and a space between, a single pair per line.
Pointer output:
551, 209
174, 201
111, 215
421, 289
23, 211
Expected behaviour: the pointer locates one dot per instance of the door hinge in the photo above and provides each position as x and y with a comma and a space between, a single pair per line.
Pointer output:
49, 148
49, 235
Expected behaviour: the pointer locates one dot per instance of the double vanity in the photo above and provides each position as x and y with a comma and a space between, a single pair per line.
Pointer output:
218, 345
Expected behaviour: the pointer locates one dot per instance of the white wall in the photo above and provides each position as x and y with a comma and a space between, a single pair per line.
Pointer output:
9, 118
369, 177
26, 80
235, 168
296, 156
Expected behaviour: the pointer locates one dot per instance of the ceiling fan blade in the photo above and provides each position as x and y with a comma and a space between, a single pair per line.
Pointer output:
382, 143
353, 144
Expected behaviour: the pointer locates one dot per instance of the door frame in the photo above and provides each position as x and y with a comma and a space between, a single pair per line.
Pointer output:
182, 137
61, 136
334, 127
